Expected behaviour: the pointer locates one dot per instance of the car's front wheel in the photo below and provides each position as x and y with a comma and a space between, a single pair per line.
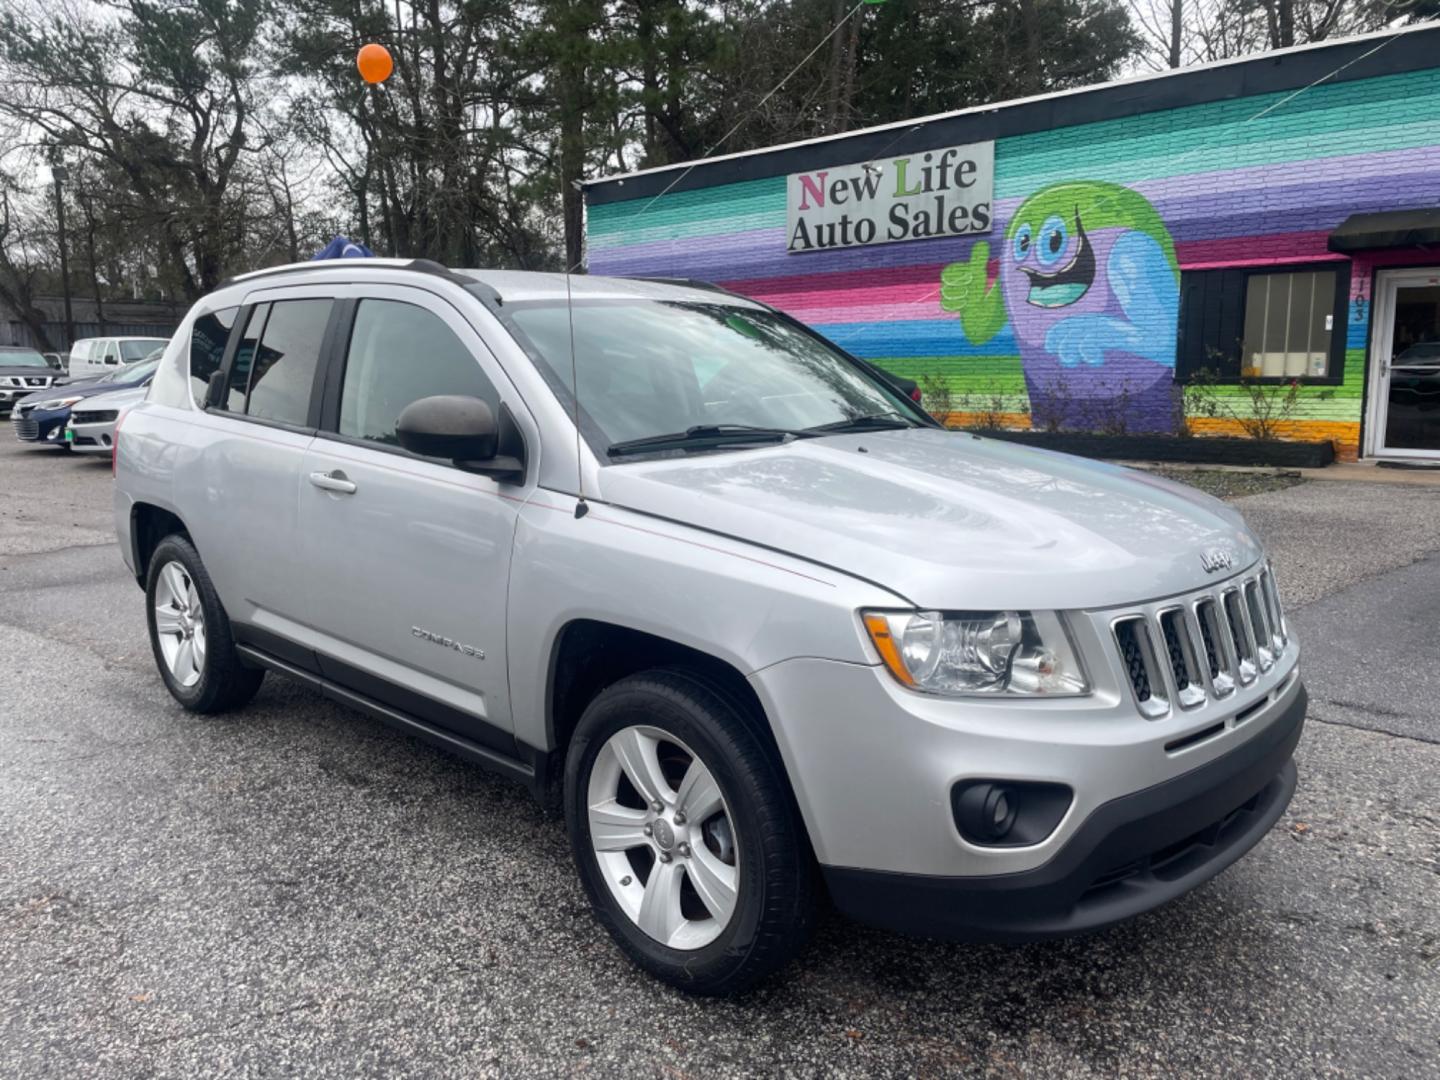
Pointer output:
190, 633
685, 835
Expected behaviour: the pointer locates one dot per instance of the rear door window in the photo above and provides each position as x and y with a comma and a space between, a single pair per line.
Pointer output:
282, 379
273, 374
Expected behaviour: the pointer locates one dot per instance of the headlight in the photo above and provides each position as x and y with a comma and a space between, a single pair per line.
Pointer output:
962, 653
58, 403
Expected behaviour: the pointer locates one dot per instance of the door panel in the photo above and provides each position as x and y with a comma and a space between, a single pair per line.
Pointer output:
250, 474
410, 595
249, 478
411, 585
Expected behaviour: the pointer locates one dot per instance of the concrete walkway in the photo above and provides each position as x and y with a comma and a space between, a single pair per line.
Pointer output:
1369, 472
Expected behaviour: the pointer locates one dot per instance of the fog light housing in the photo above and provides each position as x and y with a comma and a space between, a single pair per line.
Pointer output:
1008, 813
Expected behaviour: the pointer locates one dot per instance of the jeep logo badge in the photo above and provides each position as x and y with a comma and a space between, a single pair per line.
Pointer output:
1216, 559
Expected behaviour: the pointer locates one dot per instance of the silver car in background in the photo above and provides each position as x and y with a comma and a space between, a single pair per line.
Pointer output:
91, 427
733, 602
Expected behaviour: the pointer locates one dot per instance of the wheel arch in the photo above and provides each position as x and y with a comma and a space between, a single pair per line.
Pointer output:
150, 524
587, 655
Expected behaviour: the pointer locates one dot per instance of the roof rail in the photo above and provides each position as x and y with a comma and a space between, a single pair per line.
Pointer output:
419, 266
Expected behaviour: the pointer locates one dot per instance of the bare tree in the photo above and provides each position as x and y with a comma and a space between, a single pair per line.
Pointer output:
24, 255
164, 93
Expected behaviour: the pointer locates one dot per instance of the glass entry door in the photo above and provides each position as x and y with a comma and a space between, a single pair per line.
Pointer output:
1405, 352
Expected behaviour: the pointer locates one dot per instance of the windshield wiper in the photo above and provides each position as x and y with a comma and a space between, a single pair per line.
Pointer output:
878, 422
703, 435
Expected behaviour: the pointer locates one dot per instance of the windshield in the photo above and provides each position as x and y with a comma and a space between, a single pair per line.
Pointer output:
1423, 352
652, 367
22, 358
140, 348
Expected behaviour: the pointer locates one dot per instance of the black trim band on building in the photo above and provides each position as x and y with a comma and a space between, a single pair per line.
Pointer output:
1387, 229
1267, 73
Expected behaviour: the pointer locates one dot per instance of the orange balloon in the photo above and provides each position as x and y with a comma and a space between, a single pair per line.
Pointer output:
374, 63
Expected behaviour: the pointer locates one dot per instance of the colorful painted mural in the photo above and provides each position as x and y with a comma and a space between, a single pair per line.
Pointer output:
1088, 282
1249, 181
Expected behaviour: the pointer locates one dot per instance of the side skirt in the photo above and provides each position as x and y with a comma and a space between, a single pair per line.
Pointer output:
529, 770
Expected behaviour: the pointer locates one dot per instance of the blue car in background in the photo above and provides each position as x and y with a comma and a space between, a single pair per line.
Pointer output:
41, 417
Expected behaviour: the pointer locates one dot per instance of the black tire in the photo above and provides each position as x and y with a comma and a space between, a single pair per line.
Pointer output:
774, 910
225, 682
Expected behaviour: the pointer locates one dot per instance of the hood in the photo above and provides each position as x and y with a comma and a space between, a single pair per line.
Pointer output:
116, 399
30, 371
949, 519
77, 389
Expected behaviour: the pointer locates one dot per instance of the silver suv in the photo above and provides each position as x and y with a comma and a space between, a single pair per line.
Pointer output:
719, 591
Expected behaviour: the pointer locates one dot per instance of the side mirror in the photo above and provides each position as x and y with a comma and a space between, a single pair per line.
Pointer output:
463, 429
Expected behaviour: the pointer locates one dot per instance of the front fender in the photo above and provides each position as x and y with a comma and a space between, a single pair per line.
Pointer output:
747, 606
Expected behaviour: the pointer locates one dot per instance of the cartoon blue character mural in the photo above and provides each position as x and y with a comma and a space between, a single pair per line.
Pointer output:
1089, 282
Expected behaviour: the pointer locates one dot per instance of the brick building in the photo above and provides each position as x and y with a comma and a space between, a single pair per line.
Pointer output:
1183, 251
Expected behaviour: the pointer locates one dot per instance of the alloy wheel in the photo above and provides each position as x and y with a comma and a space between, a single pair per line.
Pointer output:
180, 623
663, 837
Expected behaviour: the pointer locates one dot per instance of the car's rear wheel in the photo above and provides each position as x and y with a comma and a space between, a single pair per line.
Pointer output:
684, 833
190, 633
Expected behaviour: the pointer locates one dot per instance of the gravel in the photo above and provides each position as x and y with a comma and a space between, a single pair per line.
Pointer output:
298, 891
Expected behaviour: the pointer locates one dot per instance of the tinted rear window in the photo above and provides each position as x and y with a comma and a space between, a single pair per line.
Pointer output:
208, 337
282, 375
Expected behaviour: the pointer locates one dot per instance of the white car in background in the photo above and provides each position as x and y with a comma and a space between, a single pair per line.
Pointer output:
91, 427
93, 357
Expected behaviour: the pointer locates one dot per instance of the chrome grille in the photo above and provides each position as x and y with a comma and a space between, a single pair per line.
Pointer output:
1201, 646
26, 428
1127, 636
1240, 637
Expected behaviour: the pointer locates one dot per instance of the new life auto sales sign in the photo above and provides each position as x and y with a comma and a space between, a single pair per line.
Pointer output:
945, 192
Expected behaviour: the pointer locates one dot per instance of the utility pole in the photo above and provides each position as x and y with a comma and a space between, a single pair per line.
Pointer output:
1177, 28
59, 173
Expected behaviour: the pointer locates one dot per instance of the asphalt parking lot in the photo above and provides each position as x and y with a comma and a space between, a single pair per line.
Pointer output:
297, 890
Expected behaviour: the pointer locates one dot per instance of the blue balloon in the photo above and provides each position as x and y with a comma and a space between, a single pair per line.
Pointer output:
342, 247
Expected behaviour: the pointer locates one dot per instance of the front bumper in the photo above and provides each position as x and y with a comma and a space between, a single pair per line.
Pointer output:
1131, 854
95, 438
38, 426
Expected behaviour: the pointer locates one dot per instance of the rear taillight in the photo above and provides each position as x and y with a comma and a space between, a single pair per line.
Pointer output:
115, 442
916, 396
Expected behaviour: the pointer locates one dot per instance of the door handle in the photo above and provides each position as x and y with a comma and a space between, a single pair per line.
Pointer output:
335, 481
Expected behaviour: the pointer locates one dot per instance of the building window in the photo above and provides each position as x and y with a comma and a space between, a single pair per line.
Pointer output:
1289, 323
1270, 323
